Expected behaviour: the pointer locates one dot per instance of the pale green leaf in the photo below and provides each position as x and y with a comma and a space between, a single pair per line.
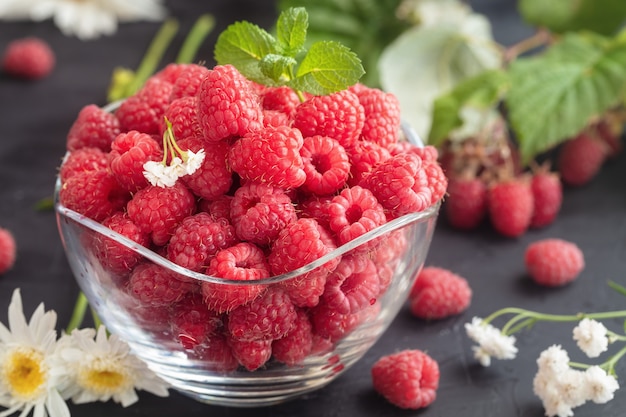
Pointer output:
553, 96
277, 68
291, 29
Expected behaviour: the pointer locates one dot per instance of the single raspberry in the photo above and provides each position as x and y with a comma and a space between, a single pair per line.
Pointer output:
155, 285
271, 156
354, 212
29, 58
326, 165
283, 99
188, 80
93, 128
610, 129
129, 152
83, 159
353, 285
400, 184
298, 244
329, 323
95, 194
218, 208
8, 250
439, 293
408, 379
182, 113
171, 72
268, 317
275, 118
553, 262
216, 354
428, 153
315, 207
227, 105
510, 206
363, 156
547, 192
466, 204
241, 262
387, 255
296, 345
158, 210
259, 212
580, 159
338, 115
114, 256
144, 110
213, 178
192, 322
382, 116
437, 180
251, 354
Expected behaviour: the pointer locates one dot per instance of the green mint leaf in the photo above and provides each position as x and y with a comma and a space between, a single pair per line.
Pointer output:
482, 91
604, 17
277, 68
291, 30
244, 45
553, 96
327, 67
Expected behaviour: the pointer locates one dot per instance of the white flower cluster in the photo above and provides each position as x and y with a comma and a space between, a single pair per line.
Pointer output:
491, 342
162, 175
591, 337
562, 388
39, 372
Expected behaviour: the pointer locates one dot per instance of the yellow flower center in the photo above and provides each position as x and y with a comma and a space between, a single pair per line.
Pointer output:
104, 376
25, 373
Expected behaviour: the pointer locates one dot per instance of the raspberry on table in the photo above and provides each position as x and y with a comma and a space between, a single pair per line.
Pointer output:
408, 379
8, 250
83, 159
144, 110
466, 205
296, 345
547, 192
326, 165
192, 322
29, 58
251, 354
94, 127
439, 293
553, 262
510, 206
156, 286
129, 152
213, 178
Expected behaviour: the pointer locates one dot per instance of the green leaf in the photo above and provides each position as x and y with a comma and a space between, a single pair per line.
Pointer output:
553, 96
243, 45
277, 68
617, 287
291, 30
327, 67
601, 16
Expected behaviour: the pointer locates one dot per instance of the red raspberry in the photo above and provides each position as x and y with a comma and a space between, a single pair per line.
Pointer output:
192, 322
197, 238
213, 178
113, 255
400, 184
510, 206
547, 195
29, 58
158, 210
129, 152
427, 153
83, 159
227, 105
353, 285
268, 317
251, 354
171, 72
282, 99
216, 354
326, 165
271, 156
338, 115
329, 323
299, 244
437, 180
364, 156
188, 81
8, 250
218, 208
93, 128
259, 212
275, 118
439, 293
144, 110
354, 212
553, 262
382, 116
95, 194
610, 130
316, 207
580, 159
466, 204
408, 379
182, 113
155, 285
296, 345
241, 262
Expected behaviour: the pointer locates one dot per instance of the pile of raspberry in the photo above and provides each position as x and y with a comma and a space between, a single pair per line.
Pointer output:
286, 179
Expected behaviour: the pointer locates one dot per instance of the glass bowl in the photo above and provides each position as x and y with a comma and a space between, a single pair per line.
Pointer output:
205, 368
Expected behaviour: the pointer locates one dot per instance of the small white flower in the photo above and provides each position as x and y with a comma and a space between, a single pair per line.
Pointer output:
159, 175
590, 335
194, 161
553, 361
104, 368
176, 168
600, 385
29, 379
491, 342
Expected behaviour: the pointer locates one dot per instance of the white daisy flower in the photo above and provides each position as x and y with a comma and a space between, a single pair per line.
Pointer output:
590, 335
159, 175
104, 368
29, 379
491, 342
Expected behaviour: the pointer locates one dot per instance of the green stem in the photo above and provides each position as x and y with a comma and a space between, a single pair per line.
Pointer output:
78, 315
198, 33
96, 319
609, 365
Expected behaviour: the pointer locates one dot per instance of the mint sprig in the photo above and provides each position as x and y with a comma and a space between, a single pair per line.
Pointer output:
323, 68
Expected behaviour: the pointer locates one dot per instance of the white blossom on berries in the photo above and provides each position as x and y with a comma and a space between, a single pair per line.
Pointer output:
194, 161
491, 342
104, 368
591, 337
159, 175
29, 379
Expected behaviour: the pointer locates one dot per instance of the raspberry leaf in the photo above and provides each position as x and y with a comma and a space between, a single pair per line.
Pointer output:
554, 95
291, 30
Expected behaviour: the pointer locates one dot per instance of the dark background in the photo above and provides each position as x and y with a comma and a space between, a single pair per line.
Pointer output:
34, 119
